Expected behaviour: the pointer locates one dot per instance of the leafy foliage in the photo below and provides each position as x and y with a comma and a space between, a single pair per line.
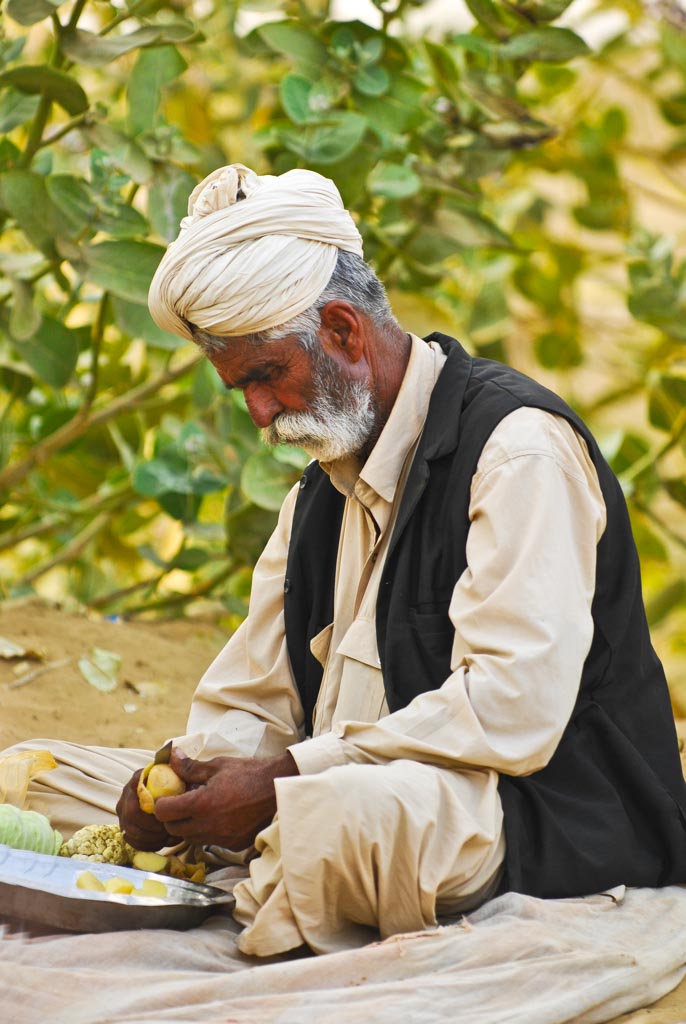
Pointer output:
516, 184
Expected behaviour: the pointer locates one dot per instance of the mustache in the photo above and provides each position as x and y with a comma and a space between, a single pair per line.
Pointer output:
339, 423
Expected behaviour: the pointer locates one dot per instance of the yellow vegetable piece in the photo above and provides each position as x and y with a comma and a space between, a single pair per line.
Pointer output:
17, 770
119, 885
163, 781
157, 780
151, 887
150, 861
190, 872
87, 880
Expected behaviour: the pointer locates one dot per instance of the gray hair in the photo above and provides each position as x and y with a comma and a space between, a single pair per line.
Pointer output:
352, 280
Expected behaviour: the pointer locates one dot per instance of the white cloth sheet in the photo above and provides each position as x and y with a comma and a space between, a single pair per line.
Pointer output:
516, 960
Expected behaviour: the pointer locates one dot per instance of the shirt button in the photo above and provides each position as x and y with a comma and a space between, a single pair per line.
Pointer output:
303, 482
287, 586
374, 557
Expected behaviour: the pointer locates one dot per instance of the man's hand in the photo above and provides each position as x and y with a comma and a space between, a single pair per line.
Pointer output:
228, 800
143, 831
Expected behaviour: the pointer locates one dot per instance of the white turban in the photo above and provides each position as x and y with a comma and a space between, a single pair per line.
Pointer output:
254, 251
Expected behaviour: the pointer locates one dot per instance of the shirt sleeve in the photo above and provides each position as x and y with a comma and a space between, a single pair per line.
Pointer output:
246, 704
521, 612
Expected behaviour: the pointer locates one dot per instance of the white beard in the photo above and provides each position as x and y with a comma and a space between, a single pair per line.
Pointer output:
341, 419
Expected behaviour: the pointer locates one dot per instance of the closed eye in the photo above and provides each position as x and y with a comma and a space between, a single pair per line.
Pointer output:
261, 376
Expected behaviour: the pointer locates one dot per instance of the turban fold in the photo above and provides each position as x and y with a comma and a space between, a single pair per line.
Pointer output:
254, 251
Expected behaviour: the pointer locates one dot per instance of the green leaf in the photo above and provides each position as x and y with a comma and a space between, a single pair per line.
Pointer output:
370, 50
9, 155
171, 474
153, 70
100, 669
399, 110
94, 50
372, 80
72, 198
676, 489
545, 44
290, 456
329, 143
455, 232
542, 10
558, 350
24, 317
135, 320
51, 352
394, 181
293, 40
265, 481
123, 268
168, 201
124, 152
29, 12
470, 229
473, 44
667, 400
659, 606
42, 80
247, 531
444, 68
162, 476
294, 93
15, 383
205, 384
342, 42
490, 16
122, 221
25, 197
16, 108
649, 545
190, 559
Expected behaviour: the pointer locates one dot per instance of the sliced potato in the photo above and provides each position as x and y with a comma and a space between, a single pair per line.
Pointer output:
151, 887
87, 880
145, 861
119, 885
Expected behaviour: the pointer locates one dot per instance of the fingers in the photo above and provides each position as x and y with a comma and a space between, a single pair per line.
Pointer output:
193, 773
142, 831
191, 804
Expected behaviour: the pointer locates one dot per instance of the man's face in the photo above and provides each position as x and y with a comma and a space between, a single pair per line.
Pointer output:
300, 398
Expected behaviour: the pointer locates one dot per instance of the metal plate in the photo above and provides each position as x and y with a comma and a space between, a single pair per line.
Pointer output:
36, 888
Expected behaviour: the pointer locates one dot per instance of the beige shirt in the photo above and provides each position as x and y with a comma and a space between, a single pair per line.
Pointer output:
521, 611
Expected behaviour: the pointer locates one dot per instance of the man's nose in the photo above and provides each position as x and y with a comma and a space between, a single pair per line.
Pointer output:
261, 403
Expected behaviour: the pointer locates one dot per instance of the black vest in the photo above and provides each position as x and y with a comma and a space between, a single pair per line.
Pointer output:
610, 806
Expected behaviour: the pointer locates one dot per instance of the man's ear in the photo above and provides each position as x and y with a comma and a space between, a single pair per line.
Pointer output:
343, 331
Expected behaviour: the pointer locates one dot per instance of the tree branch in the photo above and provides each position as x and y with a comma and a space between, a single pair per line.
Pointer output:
84, 420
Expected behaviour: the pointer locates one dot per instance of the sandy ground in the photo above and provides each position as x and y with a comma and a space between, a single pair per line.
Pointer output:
161, 664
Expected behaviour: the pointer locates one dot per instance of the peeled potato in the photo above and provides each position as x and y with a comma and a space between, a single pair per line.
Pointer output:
119, 885
87, 880
157, 780
151, 887
145, 861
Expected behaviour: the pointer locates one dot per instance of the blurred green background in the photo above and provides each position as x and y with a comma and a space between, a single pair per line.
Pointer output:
519, 175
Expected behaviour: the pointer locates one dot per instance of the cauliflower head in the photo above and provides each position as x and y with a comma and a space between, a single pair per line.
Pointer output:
104, 844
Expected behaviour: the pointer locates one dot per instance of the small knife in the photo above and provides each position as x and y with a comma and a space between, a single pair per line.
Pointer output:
163, 755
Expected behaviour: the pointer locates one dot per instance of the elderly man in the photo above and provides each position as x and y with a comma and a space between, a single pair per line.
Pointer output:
445, 686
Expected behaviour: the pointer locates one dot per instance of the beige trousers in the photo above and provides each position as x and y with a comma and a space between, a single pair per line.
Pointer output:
353, 853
